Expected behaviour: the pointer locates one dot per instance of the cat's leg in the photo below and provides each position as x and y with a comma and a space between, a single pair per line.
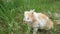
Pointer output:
35, 30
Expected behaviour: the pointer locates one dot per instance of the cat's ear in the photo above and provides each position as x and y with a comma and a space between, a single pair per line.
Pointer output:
32, 11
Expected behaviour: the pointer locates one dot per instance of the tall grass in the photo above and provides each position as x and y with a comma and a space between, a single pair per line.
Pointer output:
11, 14
8, 11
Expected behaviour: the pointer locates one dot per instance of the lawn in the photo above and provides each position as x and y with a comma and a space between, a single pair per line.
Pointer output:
12, 13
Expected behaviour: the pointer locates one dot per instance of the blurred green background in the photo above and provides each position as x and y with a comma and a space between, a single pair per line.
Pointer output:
11, 14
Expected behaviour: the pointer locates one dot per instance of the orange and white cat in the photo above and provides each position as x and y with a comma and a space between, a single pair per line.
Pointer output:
37, 20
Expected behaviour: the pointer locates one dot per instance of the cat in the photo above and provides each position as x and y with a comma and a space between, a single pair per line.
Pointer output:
37, 21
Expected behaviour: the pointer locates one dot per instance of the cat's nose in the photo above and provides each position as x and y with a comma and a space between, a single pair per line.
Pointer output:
24, 21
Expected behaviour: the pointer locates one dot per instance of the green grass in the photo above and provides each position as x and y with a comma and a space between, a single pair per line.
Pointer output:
11, 14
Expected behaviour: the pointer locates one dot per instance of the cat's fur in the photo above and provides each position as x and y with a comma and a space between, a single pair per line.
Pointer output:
37, 21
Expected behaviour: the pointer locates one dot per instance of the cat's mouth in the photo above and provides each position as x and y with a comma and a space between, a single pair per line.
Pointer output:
27, 22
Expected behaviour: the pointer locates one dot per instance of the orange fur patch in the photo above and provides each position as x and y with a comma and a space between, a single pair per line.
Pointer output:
42, 16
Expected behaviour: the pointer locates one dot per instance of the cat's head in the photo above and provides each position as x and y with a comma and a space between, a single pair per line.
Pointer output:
28, 16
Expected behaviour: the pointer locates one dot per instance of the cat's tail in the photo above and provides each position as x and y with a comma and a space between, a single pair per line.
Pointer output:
56, 22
